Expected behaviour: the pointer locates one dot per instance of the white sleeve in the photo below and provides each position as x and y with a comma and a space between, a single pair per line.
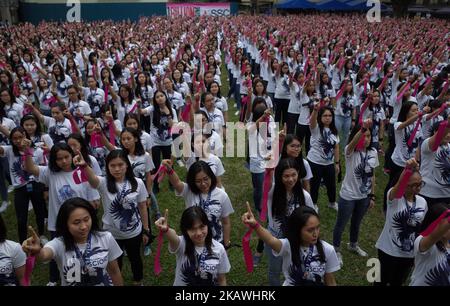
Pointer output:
308, 199
332, 262
44, 175
285, 248
149, 166
18, 258
181, 247
309, 174
48, 121
224, 263
184, 192
142, 192
220, 168
114, 250
227, 208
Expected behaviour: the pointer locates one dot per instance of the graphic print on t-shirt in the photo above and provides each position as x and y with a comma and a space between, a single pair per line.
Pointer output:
415, 144
58, 133
65, 192
212, 209
18, 171
440, 274
125, 211
163, 130
327, 142
442, 160
407, 224
201, 271
90, 274
7, 276
364, 173
304, 275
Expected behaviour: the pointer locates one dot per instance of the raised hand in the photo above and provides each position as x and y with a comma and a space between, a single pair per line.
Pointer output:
32, 245
412, 164
248, 218
163, 222
78, 160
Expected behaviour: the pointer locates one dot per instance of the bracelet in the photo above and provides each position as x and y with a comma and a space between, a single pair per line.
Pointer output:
253, 227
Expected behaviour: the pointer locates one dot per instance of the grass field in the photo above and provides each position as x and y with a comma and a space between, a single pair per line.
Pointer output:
237, 182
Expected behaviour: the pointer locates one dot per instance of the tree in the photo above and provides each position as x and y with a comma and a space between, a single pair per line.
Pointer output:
400, 7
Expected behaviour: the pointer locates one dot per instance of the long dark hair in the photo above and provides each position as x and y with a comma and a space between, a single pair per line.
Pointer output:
83, 146
295, 223
188, 218
355, 130
62, 228
130, 94
157, 111
129, 175
406, 106
279, 199
332, 126
60, 146
288, 140
38, 132
138, 147
434, 212
135, 117
197, 167
13, 131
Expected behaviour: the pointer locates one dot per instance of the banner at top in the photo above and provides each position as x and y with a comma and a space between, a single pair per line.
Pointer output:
198, 9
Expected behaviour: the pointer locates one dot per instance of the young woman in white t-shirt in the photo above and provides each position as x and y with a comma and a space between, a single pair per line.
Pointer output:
282, 93
59, 177
307, 260
432, 251
357, 193
12, 262
86, 256
323, 156
403, 130
201, 260
13, 110
124, 201
201, 190
435, 166
285, 195
345, 110
403, 220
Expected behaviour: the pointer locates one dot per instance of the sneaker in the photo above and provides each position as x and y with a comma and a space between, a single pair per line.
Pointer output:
51, 284
339, 257
333, 206
10, 188
237, 113
43, 239
180, 163
147, 251
316, 208
356, 249
256, 260
4, 206
30, 206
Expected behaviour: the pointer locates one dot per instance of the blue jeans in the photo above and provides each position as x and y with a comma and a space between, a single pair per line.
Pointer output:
343, 124
356, 209
274, 267
257, 181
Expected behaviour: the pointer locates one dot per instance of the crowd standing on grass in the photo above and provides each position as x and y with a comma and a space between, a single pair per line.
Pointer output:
92, 115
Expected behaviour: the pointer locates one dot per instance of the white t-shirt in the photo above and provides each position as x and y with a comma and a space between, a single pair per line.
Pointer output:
215, 118
315, 270
402, 151
377, 115
309, 174
358, 174
9, 125
78, 110
62, 187
260, 145
102, 250
206, 268
146, 96
322, 146
401, 227
121, 214
126, 109
212, 160
216, 144
61, 88
435, 171
221, 104
276, 223
161, 136
58, 131
216, 204
306, 104
345, 105
146, 141
11, 258
95, 166
295, 103
141, 165
282, 90
19, 176
176, 100
431, 268
95, 98
14, 112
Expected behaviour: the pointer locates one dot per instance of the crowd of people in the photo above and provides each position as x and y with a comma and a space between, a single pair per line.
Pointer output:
91, 117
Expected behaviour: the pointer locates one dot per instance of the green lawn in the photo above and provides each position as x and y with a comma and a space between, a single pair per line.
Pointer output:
237, 182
